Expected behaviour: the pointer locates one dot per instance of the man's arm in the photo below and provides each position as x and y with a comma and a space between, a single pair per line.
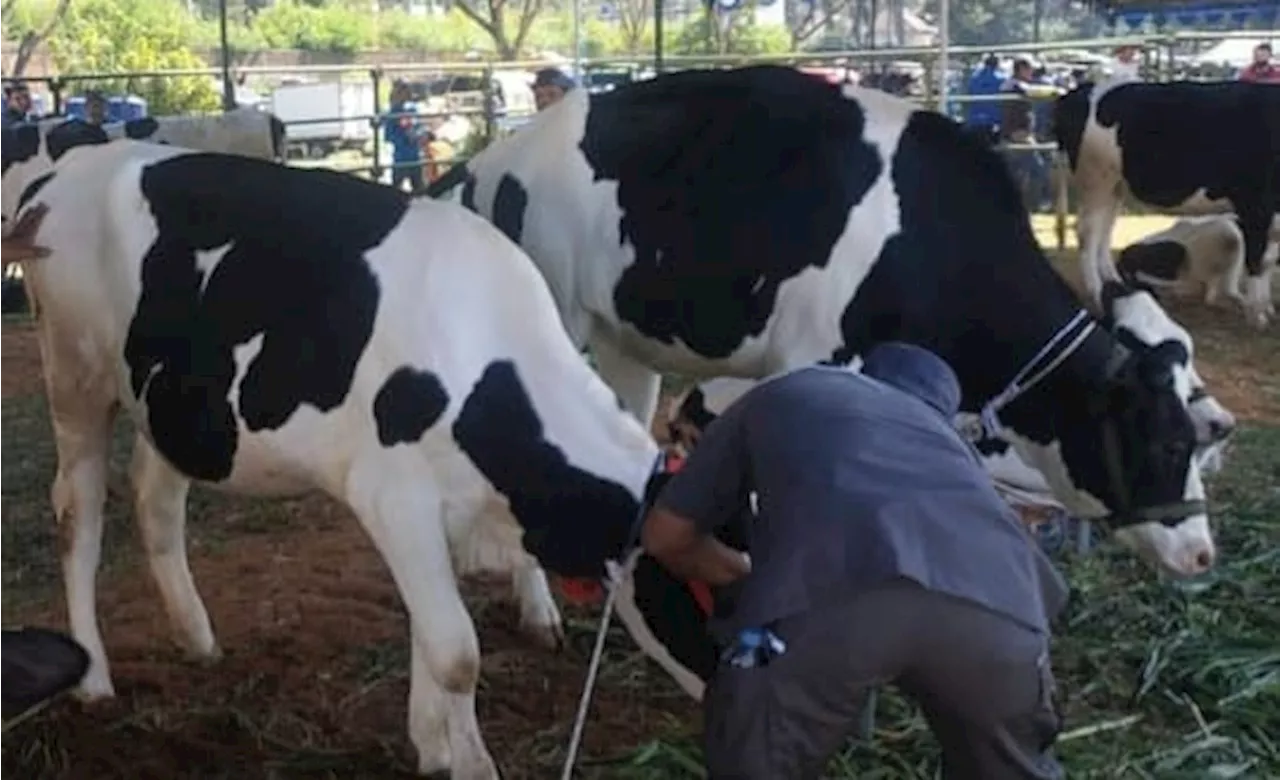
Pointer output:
709, 490
690, 554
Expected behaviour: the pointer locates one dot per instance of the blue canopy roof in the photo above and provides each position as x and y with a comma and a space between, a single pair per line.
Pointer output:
1167, 14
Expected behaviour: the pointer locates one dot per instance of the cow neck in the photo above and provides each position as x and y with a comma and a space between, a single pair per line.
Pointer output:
1079, 374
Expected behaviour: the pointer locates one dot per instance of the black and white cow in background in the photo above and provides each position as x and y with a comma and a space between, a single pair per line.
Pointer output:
273, 331
1183, 147
243, 131
745, 222
1198, 255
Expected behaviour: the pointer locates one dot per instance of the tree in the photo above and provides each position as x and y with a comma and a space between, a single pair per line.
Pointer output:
105, 36
33, 36
633, 19
812, 17
494, 21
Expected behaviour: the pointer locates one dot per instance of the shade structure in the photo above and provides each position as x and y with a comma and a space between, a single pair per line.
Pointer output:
1134, 14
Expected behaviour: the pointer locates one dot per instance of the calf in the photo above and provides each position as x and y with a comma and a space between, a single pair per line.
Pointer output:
750, 221
1164, 143
1199, 253
273, 331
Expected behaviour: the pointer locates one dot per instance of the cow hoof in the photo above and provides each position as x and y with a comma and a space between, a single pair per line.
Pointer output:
94, 688
203, 657
546, 636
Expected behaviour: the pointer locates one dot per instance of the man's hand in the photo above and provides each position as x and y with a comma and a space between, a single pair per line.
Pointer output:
675, 542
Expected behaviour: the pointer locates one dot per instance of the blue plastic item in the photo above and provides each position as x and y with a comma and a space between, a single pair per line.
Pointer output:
120, 108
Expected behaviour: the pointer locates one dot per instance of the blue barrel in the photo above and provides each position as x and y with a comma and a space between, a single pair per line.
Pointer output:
122, 108
74, 107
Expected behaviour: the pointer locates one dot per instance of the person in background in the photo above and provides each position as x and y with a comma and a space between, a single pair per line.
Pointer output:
1128, 64
983, 117
17, 103
1017, 126
880, 553
95, 107
402, 130
550, 85
1262, 70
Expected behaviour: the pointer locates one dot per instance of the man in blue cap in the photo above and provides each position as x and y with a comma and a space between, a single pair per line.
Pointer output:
881, 553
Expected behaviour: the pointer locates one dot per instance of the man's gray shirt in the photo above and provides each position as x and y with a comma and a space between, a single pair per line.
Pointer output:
858, 483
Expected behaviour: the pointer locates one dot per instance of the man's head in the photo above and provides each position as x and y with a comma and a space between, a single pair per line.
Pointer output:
95, 107
916, 371
18, 96
1022, 69
1262, 54
991, 62
399, 91
550, 86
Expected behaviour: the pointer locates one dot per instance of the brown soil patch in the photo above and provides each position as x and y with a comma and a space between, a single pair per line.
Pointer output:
315, 675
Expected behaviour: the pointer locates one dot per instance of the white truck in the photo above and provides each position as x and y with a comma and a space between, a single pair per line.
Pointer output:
324, 117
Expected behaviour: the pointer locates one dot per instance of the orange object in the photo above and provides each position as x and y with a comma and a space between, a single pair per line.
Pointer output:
587, 591
581, 591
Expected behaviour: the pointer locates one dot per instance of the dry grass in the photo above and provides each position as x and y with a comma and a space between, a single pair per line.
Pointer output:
1162, 681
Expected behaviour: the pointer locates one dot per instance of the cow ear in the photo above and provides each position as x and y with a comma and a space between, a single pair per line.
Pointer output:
37, 664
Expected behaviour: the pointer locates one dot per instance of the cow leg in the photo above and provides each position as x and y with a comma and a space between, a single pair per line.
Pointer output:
1255, 225
1095, 223
78, 495
636, 384
400, 507
539, 616
160, 502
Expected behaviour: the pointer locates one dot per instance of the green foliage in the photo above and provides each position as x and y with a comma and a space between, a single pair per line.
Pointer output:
336, 28
451, 33
738, 34
103, 36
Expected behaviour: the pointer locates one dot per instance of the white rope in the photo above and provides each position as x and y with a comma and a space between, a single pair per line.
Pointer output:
1021, 383
588, 687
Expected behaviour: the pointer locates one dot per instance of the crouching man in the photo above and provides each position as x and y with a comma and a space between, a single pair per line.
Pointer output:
881, 553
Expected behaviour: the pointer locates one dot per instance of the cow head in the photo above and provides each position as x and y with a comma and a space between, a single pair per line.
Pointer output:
35, 665
1128, 446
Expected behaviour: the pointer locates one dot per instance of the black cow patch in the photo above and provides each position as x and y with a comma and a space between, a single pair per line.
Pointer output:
72, 133
508, 207
1158, 259
572, 519
21, 143
965, 277
141, 129
672, 614
32, 189
293, 272
729, 183
407, 404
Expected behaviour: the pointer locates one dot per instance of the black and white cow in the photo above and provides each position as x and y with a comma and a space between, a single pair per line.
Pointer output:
746, 222
1183, 147
274, 331
1199, 255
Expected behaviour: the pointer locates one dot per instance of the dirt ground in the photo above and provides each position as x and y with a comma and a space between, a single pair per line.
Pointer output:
314, 680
